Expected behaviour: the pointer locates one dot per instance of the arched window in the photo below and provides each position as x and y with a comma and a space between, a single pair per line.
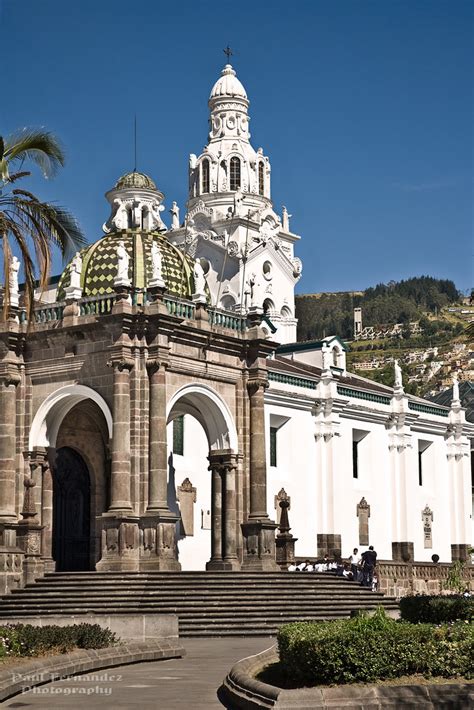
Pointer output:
234, 173
129, 218
335, 354
205, 176
261, 183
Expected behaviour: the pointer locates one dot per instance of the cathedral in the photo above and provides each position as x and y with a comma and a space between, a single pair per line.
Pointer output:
159, 414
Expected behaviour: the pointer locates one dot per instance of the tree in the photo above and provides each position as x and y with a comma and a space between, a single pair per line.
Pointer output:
33, 225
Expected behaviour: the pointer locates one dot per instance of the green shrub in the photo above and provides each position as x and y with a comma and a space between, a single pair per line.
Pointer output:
371, 648
28, 640
436, 609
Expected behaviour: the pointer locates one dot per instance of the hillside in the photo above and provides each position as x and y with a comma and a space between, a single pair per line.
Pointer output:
385, 304
420, 321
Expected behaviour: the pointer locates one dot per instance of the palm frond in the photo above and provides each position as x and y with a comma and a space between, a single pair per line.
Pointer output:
37, 145
62, 226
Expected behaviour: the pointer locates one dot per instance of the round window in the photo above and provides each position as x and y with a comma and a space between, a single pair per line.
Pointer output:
267, 270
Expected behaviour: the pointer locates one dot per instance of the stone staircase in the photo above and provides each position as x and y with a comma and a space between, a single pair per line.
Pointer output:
206, 603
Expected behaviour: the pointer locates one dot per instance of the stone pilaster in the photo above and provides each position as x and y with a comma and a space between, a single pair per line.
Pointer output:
120, 526
29, 535
326, 432
259, 530
458, 455
158, 548
9, 380
400, 448
120, 474
158, 455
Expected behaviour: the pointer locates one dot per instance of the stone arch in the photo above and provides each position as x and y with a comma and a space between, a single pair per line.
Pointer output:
47, 420
208, 408
203, 403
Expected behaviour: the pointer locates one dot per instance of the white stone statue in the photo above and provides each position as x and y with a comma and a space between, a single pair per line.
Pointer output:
455, 387
174, 211
285, 220
76, 269
123, 261
156, 262
253, 289
120, 218
398, 374
326, 359
13, 281
199, 279
238, 203
155, 217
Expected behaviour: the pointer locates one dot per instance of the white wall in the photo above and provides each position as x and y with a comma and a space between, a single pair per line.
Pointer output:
194, 551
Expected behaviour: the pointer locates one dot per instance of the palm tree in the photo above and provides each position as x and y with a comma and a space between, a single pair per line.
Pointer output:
33, 225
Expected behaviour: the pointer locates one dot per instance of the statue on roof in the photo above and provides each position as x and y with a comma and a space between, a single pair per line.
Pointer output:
455, 387
398, 374
13, 281
174, 211
76, 269
123, 261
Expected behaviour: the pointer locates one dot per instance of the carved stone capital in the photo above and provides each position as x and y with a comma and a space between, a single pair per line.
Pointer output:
122, 364
10, 376
256, 383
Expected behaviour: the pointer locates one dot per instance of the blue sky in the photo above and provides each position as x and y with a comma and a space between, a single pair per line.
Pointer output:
364, 108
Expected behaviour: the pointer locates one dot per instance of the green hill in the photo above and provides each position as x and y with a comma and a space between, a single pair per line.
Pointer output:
322, 314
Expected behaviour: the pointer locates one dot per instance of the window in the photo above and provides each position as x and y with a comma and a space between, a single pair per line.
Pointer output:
205, 176
422, 447
355, 459
234, 173
178, 435
273, 445
359, 451
261, 183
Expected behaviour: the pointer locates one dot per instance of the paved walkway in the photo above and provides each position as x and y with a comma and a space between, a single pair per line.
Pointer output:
188, 683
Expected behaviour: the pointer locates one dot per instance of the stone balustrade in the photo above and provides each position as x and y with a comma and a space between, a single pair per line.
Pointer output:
397, 579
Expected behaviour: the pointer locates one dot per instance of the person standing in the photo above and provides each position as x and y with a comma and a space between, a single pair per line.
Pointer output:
355, 560
369, 558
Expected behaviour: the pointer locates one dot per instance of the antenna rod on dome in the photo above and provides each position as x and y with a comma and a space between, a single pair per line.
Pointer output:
135, 145
228, 52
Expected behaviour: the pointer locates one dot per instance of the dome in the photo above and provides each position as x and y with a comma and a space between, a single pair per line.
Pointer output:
135, 179
228, 85
99, 265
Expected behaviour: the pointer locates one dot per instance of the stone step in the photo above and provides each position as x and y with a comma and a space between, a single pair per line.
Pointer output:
207, 604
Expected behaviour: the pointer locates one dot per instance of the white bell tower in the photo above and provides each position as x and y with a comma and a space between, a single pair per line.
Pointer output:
245, 247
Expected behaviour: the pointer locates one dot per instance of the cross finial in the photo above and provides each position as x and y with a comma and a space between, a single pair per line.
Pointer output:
228, 52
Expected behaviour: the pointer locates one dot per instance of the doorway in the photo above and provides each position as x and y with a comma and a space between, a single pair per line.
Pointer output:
71, 512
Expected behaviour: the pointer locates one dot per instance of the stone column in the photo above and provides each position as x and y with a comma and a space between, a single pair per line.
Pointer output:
120, 473
258, 464
230, 516
259, 530
8, 383
158, 455
216, 516
158, 549
47, 516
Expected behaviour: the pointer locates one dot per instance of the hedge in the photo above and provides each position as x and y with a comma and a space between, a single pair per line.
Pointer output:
366, 649
28, 640
436, 609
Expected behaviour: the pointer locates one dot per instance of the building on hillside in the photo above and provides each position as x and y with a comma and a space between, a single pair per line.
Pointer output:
157, 410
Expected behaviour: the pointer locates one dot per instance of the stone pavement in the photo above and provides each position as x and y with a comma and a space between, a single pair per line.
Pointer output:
188, 683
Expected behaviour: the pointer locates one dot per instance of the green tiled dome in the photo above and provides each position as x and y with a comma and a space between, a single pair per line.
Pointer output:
99, 265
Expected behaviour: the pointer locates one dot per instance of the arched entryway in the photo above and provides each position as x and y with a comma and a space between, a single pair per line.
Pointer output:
203, 478
71, 511
74, 426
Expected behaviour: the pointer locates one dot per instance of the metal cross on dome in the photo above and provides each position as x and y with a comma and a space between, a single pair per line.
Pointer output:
228, 52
